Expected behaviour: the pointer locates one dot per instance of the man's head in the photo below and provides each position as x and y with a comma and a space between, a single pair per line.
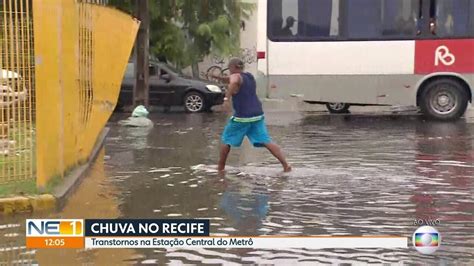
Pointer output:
236, 65
290, 21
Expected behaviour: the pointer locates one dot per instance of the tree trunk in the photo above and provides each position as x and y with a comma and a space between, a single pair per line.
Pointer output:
195, 69
141, 88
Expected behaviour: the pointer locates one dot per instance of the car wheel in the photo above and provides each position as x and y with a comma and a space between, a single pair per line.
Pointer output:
444, 99
194, 102
338, 108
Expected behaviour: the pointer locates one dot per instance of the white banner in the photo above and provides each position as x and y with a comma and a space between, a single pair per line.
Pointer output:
260, 242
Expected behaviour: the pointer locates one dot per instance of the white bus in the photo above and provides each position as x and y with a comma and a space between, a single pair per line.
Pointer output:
370, 52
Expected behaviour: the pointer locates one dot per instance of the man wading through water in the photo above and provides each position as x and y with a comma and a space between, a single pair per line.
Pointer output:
248, 119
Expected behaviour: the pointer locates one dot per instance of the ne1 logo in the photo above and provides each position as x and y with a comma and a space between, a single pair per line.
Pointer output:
54, 227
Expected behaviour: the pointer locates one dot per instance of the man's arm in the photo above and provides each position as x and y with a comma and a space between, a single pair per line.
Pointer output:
234, 86
232, 89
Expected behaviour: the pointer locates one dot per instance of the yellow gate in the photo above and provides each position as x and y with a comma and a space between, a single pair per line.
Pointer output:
17, 91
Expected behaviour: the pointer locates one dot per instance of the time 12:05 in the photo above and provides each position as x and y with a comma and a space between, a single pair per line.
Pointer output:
58, 242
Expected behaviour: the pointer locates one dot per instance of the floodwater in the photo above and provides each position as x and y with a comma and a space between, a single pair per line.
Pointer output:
353, 175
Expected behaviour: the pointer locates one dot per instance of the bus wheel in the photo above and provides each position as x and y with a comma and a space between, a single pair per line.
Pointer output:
444, 99
338, 108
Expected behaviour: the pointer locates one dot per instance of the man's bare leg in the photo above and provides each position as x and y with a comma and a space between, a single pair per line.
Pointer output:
276, 151
225, 149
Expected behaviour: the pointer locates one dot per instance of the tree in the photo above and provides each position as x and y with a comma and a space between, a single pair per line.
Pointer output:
142, 49
186, 31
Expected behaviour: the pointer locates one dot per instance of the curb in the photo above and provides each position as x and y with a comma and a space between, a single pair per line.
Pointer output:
27, 204
56, 200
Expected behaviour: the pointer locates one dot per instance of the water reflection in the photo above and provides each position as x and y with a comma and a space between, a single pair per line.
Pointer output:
95, 198
245, 203
445, 159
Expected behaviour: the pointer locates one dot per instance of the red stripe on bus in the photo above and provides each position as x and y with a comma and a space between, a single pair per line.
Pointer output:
444, 56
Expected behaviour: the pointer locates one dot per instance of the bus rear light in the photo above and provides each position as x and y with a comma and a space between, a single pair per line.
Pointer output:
260, 55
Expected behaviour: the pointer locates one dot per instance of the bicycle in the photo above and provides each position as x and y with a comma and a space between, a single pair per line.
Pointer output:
216, 70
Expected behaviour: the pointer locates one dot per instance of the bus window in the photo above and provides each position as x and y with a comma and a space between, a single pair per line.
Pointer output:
311, 20
317, 17
290, 17
303, 19
275, 20
471, 19
375, 19
283, 17
453, 18
401, 18
362, 19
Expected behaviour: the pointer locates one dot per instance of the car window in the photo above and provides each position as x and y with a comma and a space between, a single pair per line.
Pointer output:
169, 69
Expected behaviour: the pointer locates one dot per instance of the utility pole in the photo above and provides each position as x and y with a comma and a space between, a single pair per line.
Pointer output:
142, 49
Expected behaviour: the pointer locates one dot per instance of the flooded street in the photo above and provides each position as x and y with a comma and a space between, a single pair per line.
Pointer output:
353, 175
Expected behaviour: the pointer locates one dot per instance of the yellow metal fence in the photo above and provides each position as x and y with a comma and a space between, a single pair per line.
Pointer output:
16, 91
61, 68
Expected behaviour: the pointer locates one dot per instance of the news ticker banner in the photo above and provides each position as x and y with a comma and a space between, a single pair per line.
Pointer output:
182, 233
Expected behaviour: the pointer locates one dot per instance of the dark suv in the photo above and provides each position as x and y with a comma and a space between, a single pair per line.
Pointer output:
168, 88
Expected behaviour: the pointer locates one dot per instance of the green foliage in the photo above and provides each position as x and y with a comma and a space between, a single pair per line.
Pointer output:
23, 187
185, 31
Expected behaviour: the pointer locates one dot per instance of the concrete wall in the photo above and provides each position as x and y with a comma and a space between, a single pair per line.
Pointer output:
81, 52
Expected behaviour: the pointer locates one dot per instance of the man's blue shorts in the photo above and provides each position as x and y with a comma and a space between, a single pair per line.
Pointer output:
234, 133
